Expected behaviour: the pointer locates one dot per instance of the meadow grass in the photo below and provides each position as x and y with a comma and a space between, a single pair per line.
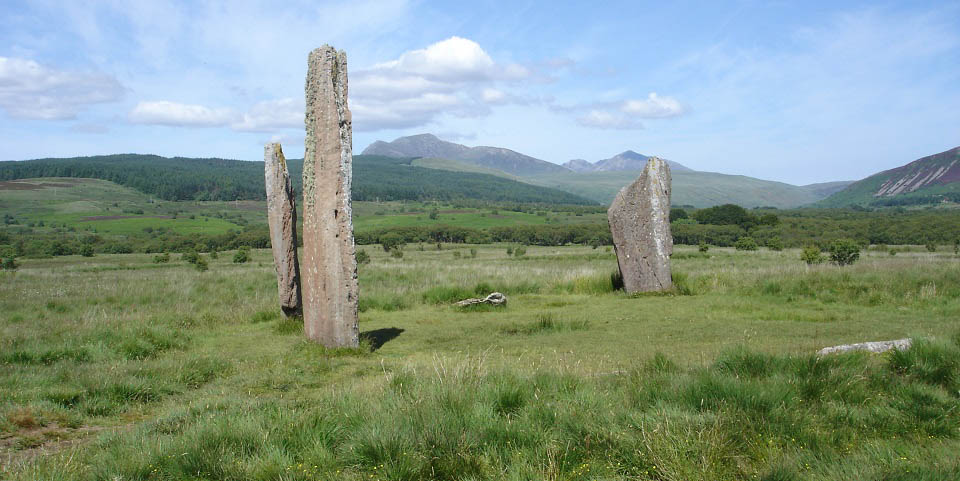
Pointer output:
115, 369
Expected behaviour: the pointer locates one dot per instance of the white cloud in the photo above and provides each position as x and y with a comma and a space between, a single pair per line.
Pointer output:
270, 115
451, 77
180, 115
29, 90
408, 112
625, 115
653, 107
603, 119
493, 96
453, 59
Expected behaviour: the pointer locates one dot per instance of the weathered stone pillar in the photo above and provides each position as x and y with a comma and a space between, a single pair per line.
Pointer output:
640, 223
329, 267
282, 219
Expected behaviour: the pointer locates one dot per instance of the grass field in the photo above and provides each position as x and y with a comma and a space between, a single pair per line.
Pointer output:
114, 367
97, 206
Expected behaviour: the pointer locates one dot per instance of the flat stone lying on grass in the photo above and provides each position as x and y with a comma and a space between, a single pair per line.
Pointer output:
282, 219
876, 346
495, 299
640, 223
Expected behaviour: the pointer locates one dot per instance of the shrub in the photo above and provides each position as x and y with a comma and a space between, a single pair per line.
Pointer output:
456, 254
775, 244
433, 214
745, 244
201, 264
520, 251
190, 257
9, 264
931, 247
956, 247
390, 241
844, 252
396, 254
703, 247
362, 257
509, 251
242, 256
893, 251
86, 250
161, 258
473, 253
811, 255
214, 254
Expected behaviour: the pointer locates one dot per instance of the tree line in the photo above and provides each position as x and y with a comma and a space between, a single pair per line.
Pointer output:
375, 178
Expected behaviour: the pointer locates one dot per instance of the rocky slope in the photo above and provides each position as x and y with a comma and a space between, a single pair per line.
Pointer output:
931, 179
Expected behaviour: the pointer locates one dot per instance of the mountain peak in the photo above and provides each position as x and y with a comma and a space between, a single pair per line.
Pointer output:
429, 145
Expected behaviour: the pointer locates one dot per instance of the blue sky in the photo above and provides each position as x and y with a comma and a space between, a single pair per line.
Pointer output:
799, 92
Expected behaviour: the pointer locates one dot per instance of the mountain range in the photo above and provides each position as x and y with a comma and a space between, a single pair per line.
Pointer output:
627, 160
601, 180
428, 145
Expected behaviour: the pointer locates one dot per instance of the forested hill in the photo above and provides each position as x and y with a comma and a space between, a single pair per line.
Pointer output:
375, 177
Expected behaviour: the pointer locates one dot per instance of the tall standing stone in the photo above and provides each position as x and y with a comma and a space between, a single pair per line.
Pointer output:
282, 219
329, 266
640, 223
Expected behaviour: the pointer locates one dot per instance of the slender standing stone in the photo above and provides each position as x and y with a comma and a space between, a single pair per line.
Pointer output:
640, 223
282, 218
330, 268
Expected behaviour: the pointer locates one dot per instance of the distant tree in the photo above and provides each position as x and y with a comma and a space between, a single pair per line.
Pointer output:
844, 252
241, 256
391, 241
190, 257
811, 255
362, 257
727, 214
775, 244
769, 219
745, 244
9, 264
677, 213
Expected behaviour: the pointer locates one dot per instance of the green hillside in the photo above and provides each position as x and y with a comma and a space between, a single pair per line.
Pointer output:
934, 179
375, 178
700, 189
459, 166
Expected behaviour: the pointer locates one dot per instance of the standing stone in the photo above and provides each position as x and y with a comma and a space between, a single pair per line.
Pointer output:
330, 268
282, 218
640, 223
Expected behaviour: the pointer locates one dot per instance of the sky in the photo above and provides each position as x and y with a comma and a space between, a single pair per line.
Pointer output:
799, 92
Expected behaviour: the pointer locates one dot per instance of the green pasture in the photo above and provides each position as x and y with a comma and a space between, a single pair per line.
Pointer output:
116, 367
